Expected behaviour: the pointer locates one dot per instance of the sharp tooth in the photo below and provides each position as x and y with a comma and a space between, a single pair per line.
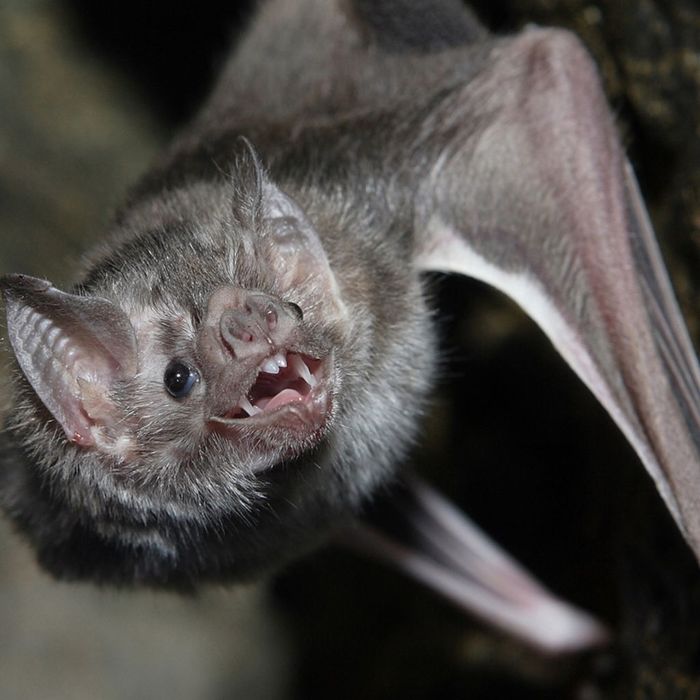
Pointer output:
280, 359
248, 407
302, 370
270, 366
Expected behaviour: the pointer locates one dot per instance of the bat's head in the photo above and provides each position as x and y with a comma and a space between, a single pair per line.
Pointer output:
217, 391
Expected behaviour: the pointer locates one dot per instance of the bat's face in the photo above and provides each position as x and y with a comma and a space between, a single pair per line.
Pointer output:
236, 325
212, 371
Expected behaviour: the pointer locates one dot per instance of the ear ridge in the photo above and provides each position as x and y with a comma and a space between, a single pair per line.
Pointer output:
289, 237
71, 349
249, 179
297, 248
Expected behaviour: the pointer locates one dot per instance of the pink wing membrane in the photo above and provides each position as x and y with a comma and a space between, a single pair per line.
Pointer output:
549, 212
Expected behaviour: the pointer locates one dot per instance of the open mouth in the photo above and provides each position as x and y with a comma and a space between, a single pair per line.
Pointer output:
284, 379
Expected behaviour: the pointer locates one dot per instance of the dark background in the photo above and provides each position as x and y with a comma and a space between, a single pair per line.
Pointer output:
89, 92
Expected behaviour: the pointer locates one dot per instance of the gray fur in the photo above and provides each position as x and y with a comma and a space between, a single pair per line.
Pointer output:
383, 155
209, 513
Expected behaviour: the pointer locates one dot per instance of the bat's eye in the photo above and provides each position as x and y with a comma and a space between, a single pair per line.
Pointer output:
179, 378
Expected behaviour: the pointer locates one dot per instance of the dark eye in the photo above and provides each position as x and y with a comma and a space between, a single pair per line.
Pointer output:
179, 378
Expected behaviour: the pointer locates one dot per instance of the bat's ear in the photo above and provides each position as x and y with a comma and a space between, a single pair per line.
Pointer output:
289, 240
73, 350
293, 243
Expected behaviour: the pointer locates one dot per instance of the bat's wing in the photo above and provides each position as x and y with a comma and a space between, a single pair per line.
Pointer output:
423, 535
533, 195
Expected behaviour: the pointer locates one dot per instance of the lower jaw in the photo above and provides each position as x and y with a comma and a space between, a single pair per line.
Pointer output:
296, 426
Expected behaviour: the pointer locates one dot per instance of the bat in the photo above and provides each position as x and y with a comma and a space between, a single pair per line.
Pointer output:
245, 360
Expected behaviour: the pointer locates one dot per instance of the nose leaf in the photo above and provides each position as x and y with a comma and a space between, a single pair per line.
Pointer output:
246, 330
251, 323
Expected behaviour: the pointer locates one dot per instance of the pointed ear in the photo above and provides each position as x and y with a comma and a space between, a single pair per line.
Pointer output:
248, 175
72, 349
289, 240
295, 246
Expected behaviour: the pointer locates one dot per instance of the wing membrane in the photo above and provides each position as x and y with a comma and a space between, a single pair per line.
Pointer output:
426, 537
542, 204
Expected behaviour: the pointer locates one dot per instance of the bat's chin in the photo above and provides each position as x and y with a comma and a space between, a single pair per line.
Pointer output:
290, 399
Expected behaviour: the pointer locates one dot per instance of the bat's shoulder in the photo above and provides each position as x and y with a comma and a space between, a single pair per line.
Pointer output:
317, 89
311, 59
331, 56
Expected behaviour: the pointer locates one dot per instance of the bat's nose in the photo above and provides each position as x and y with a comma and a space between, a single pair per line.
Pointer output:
248, 329
252, 323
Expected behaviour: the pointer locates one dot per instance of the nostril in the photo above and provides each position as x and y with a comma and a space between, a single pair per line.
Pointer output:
236, 330
271, 317
296, 310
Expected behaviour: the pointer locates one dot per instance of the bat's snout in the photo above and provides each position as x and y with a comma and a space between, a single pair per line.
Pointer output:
252, 324
256, 357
